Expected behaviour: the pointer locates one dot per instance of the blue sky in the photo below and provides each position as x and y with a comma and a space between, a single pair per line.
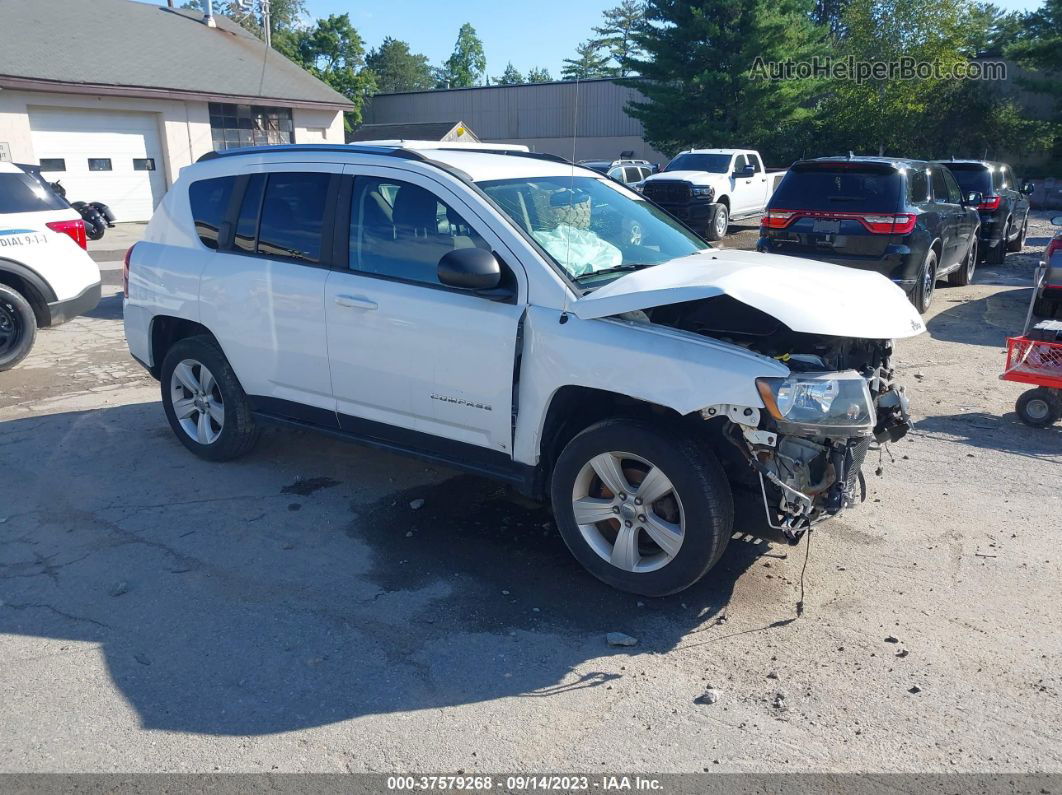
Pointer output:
527, 32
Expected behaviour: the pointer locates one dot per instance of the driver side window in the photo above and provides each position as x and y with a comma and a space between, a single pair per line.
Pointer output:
399, 230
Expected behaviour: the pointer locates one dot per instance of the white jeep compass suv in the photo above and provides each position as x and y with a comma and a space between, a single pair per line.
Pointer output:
526, 319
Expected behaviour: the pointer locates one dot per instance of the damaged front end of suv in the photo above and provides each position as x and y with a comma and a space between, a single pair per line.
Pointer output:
805, 445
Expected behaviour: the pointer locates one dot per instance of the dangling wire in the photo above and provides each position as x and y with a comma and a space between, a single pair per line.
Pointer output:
807, 554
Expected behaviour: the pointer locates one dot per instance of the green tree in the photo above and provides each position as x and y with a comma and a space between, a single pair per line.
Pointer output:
696, 75
617, 33
588, 64
285, 16
991, 29
536, 75
1039, 49
333, 51
510, 77
467, 66
830, 15
397, 69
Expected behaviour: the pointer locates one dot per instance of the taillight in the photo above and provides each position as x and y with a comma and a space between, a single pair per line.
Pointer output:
125, 271
76, 230
991, 203
876, 223
1052, 247
778, 219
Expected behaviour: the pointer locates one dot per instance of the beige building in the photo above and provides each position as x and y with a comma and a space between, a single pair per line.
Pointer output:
113, 97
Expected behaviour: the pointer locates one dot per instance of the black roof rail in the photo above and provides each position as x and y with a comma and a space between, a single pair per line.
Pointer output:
392, 151
380, 149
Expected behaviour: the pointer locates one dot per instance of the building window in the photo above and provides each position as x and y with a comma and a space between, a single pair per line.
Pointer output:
99, 164
53, 164
143, 164
233, 126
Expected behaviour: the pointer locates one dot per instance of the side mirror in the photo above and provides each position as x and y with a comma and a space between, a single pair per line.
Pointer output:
1057, 220
470, 269
1027, 188
974, 198
747, 171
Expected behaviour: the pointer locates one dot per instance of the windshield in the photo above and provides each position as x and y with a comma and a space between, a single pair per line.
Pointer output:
716, 164
592, 228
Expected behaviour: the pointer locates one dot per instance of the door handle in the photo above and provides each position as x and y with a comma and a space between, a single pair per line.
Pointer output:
355, 302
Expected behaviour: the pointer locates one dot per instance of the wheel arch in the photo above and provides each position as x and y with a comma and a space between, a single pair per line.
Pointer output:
30, 286
166, 330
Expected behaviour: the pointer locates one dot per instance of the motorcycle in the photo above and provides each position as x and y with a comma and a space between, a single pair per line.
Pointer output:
97, 215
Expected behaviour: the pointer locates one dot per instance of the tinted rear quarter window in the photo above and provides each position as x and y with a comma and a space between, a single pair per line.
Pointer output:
917, 186
20, 193
841, 189
209, 199
940, 186
292, 219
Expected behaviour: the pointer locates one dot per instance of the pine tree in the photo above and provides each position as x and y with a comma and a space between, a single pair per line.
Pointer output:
398, 69
617, 33
467, 66
510, 77
697, 71
589, 63
536, 75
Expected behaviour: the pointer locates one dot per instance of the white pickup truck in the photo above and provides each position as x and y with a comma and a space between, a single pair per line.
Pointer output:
708, 188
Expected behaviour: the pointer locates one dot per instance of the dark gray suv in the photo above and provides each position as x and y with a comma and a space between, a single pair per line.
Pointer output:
1004, 207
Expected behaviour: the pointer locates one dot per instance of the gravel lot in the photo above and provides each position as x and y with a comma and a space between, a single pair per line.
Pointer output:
292, 612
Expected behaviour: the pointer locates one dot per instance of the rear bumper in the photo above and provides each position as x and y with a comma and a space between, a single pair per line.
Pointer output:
85, 301
898, 264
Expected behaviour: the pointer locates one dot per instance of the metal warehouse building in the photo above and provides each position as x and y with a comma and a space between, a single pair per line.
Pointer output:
543, 116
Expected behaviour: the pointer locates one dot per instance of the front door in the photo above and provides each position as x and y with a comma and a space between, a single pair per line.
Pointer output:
405, 350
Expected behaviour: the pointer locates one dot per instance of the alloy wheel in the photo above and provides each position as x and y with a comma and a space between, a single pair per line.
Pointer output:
197, 401
971, 261
929, 283
721, 221
628, 512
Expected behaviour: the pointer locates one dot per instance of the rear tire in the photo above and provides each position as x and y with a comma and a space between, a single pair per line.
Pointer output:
18, 327
656, 546
964, 275
719, 223
204, 402
997, 253
922, 297
1039, 407
1019, 242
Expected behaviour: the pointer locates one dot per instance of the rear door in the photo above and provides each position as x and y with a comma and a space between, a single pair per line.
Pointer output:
946, 202
262, 291
745, 189
407, 351
965, 219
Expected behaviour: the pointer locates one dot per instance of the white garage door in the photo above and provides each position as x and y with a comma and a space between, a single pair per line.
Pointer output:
109, 156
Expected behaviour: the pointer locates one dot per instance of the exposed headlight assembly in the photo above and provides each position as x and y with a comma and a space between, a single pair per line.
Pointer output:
703, 192
819, 403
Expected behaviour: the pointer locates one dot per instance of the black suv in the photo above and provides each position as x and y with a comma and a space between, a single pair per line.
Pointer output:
1004, 206
906, 219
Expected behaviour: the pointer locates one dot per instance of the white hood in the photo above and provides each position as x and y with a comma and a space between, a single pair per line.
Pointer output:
696, 177
808, 296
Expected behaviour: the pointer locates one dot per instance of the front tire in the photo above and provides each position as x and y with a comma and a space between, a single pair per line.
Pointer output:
641, 507
18, 327
719, 222
204, 402
964, 275
1039, 407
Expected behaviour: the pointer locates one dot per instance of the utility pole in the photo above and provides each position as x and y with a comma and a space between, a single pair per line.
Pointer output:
267, 24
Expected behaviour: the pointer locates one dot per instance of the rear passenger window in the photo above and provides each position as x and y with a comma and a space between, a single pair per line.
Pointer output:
209, 199
754, 160
21, 193
954, 194
940, 187
917, 186
292, 218
402, 230
998, 179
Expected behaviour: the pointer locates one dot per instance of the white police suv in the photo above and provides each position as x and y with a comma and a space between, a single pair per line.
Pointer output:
46, 275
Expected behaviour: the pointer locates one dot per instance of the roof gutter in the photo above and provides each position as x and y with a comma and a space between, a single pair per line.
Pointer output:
149, 92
